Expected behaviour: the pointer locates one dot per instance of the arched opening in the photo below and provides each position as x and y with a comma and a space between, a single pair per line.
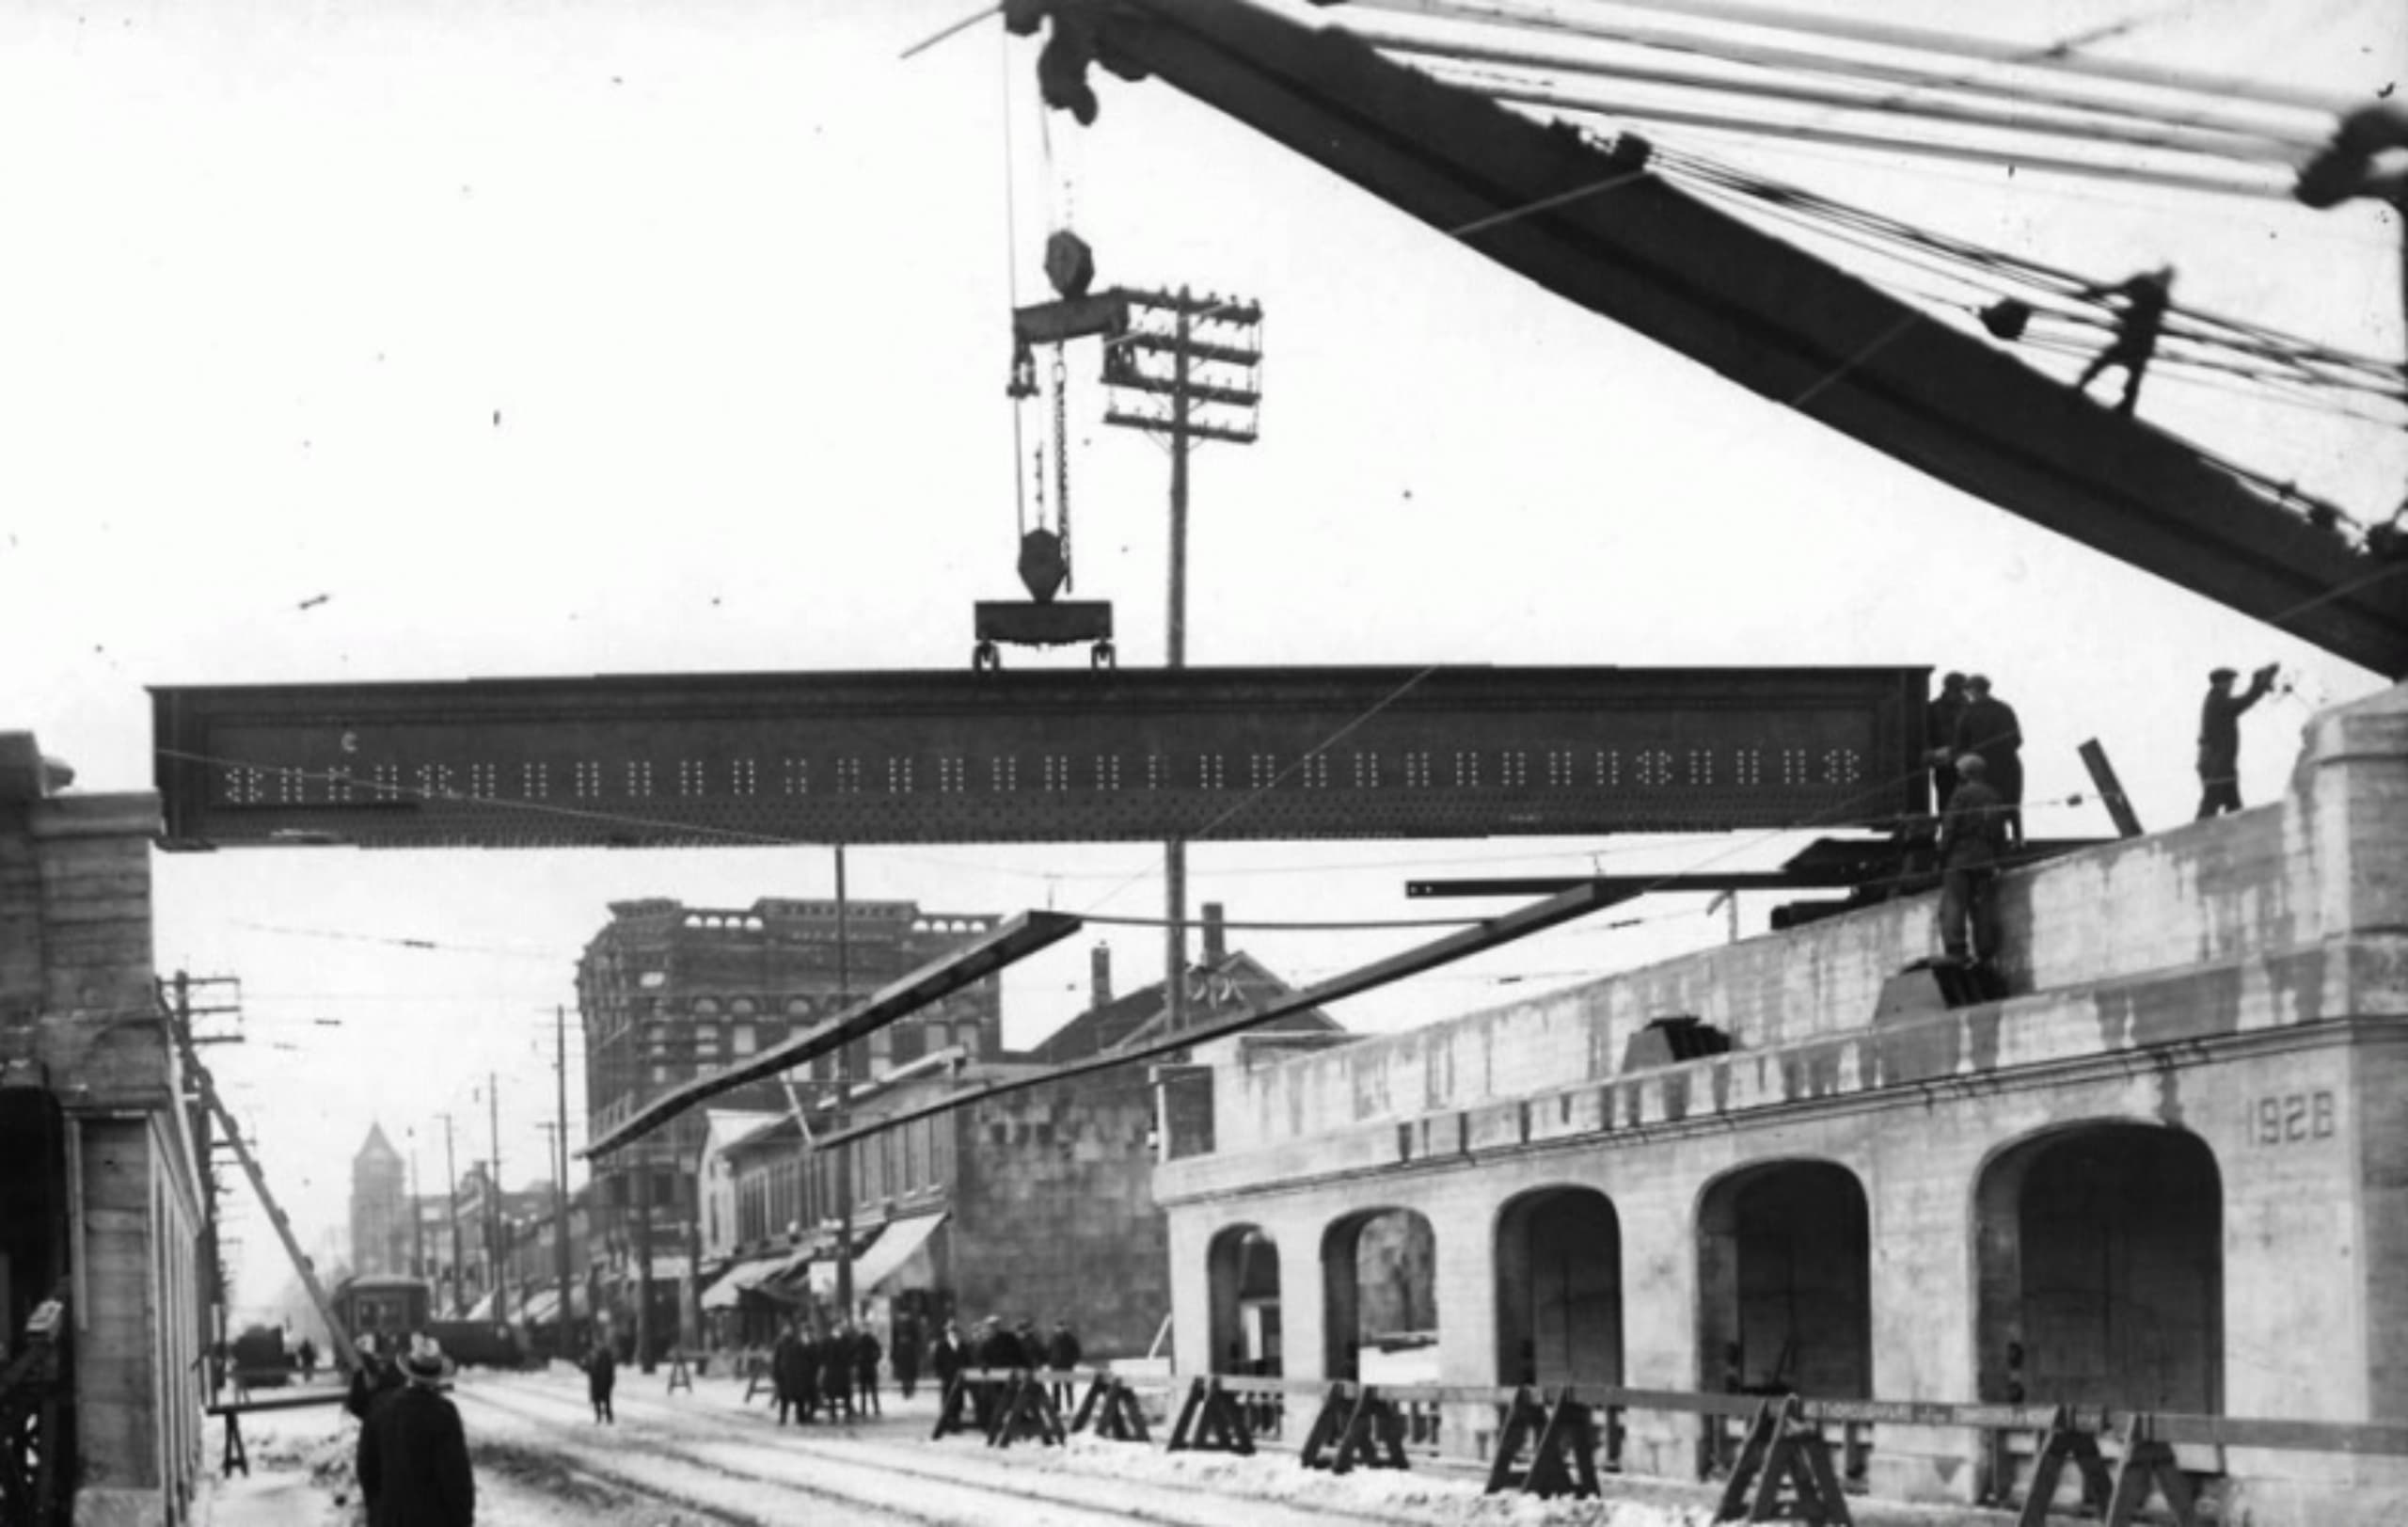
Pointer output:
1379, 1288
1558, 1289
33, 1204
2102, 1270
1784, 1282
1243, 1266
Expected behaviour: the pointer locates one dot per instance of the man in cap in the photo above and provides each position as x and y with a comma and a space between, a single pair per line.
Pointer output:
1972, 837
1988, 727
2220, 738
413, 1460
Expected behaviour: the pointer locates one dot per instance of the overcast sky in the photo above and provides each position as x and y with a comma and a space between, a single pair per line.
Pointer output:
405, 339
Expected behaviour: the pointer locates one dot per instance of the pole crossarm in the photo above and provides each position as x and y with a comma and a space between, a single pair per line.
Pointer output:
1580, 902
1013, 941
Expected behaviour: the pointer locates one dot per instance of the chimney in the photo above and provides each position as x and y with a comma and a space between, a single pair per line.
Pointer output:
1100, 971
1216, 938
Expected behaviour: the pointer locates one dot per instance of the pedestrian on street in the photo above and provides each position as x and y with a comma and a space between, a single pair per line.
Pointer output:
836, 1372
906, 1355
947, 1357
1940, 735
1988, 727
1971, 837
1062, 1354
787, 1374
865, 1354
413, 1457
309, 1356
2220, 738
601, 1377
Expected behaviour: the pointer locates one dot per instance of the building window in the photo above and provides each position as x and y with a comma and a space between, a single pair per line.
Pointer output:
743, 1040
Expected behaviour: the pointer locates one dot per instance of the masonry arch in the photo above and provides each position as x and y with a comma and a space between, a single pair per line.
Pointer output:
34, 1204
1558, 1288
1784, 1281
1379, 1293
2100, 1252
1243, 1271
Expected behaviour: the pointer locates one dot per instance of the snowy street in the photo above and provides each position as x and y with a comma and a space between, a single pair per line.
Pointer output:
707, 1457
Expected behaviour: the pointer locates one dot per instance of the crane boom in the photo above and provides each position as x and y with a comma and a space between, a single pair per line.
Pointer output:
1591, 223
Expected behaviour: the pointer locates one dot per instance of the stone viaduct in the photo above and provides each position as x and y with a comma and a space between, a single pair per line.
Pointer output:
2169, 1172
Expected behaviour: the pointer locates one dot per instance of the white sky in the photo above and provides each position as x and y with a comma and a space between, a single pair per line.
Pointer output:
735, 280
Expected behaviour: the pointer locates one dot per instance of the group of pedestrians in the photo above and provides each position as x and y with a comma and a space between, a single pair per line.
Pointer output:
831, 1375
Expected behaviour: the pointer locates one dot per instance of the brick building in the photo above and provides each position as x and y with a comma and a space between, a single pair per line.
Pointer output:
671, 991
1036, 1205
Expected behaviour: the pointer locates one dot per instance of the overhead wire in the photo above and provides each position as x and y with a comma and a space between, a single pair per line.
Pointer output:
2063, 56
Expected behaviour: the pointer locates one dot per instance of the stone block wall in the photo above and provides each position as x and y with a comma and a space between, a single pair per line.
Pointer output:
1054, 1215
80, 1017
2234, 991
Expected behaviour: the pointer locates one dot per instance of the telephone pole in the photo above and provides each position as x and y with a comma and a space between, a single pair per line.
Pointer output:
452, 1210
417, 1216
844, 1089
493, 1195
559, 1196
1211, 383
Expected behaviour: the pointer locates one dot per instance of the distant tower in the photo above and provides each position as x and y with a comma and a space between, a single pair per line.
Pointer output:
379, 1207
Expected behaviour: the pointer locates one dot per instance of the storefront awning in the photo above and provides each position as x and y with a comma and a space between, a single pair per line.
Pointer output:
744, 1278
888, 1254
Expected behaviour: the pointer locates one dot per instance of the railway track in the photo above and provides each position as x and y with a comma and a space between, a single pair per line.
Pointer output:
730, 1474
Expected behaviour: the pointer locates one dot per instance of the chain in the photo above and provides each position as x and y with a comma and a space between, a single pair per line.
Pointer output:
1062, 461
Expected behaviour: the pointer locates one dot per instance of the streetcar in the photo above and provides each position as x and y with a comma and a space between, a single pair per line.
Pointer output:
384, 1308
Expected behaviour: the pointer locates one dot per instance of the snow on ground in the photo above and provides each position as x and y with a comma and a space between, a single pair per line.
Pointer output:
708, 1456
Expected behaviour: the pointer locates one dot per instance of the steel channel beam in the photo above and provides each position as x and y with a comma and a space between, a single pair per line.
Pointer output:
1055, 756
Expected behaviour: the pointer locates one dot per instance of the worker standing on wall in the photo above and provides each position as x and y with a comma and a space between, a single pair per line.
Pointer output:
1972, 835
2220, 738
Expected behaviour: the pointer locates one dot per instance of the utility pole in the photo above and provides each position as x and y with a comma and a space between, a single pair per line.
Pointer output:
452, 1209
1228, 358
643, 1256
559, 1196
493, 1195
844, 1089
417, 1216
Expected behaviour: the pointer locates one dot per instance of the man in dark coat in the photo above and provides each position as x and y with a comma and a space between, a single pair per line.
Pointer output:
906, 1355
834, 1352
787, 1374
1940, 736
1062, 1353
947, 1357
1971, 837
601, 1377
866, 1352
2220, 738
413, 1460
1988, 727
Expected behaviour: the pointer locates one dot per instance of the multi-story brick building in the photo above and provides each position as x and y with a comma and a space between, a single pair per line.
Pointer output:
670, 992
1037, 1204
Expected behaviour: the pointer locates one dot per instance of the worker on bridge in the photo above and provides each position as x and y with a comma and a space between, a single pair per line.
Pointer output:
2220, 738
1972, 837
2147, 297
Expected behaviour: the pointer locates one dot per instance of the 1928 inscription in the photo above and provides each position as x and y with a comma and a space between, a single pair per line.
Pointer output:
2290, 1118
